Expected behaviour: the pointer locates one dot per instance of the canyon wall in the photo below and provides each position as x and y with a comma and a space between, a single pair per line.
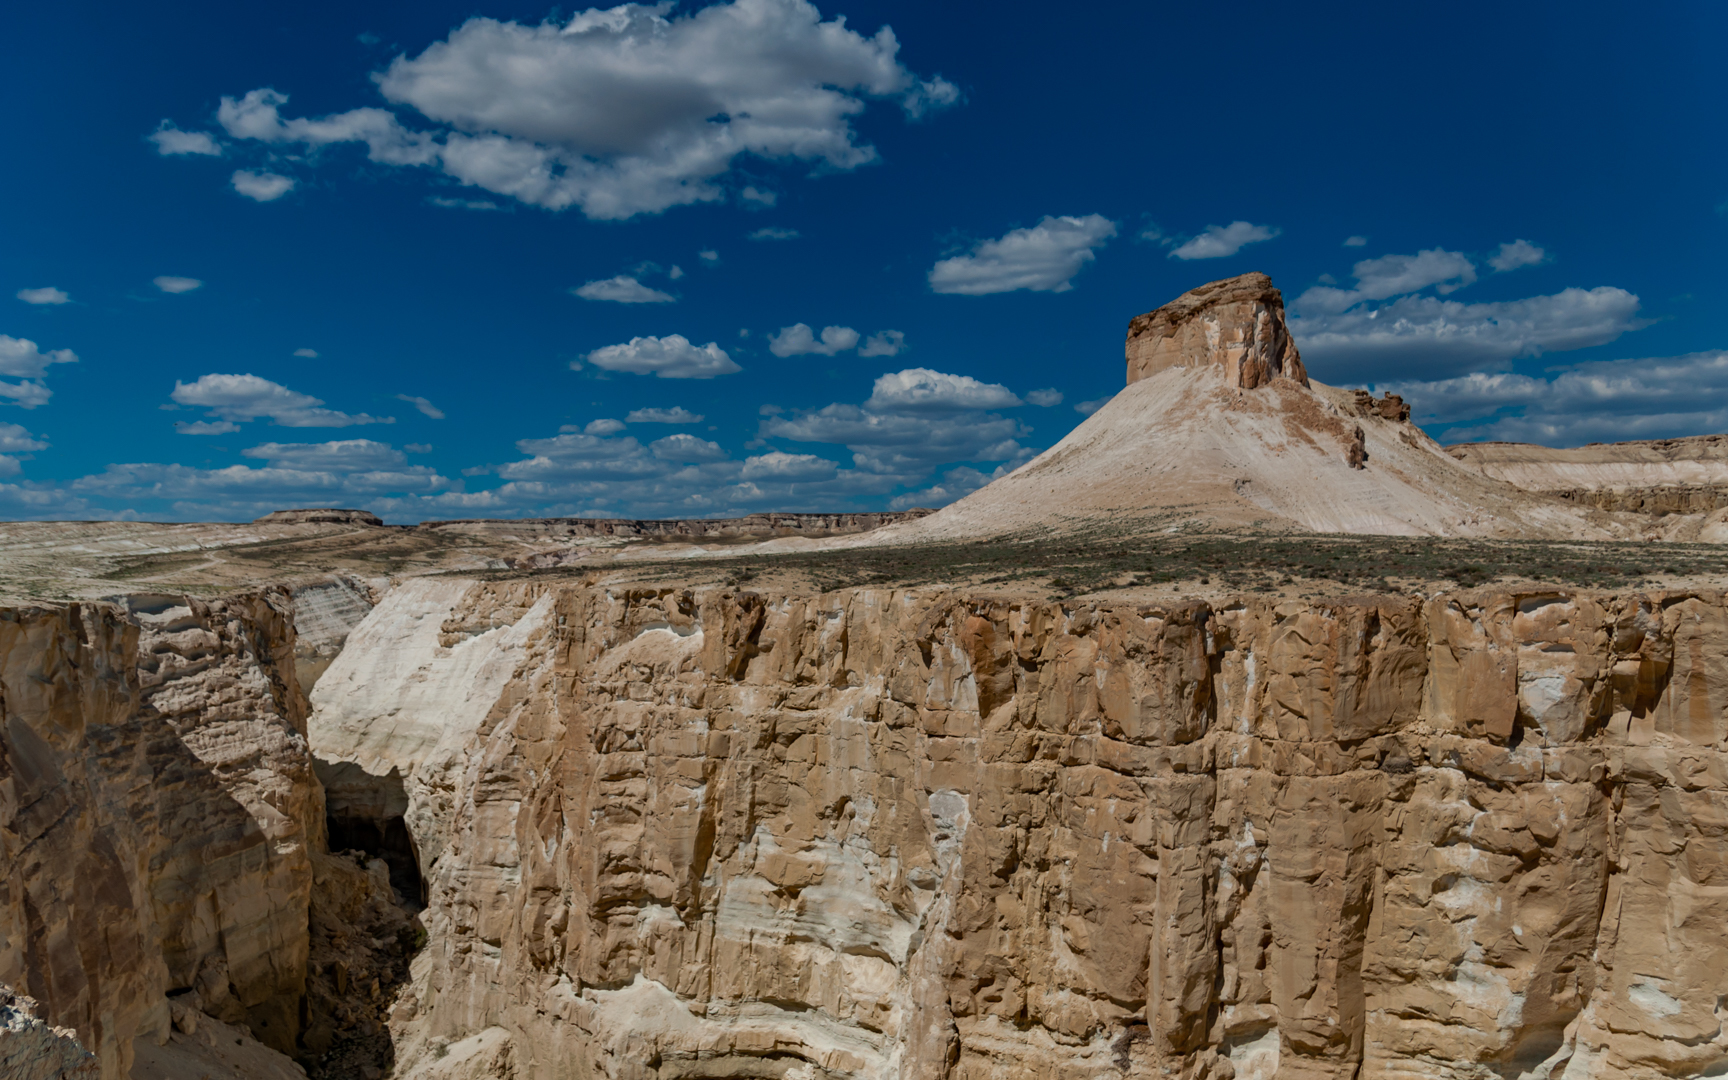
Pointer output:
157, 817
889, 834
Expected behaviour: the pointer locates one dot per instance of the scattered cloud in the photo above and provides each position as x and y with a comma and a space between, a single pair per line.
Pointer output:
46, 295
956, 484
426, 407
249, 397
22, 358
261, 186
708, 256
170, 284
774, 234
757, 195
1355, 241
341, 455
788, 468
884, 343
1394, 275
669, 357
1043, 258
1516, 254
1218, 241
622, 111
1448, 334
463, 204
622, 289
1087, 408
1597, 401
606, 427
417, 447
14, 439
678, 414
675, 273
798, 339
309, 354
1045, 398
205, 427
171, 141
921, 390
683, 447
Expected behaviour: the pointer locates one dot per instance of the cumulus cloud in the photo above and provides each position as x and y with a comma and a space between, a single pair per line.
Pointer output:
1218, 241
884, 343
204, 427
22, 358
309, 354
956, 484
621, 111
14, 439
669, 357
1087, 408
1045, 398
463, 204
1043, 258
1597, 401
682, 447
622, 289
426, 407
341, 455
758, 196
788, 468
261, 186
925, 391
606, 427
1448, 334
1394, 275
249, 397
1516, 254
1355, 241
253, 490
170, 284
771, 233
708, 256
170, 141
45, 295
798, 339
678, 414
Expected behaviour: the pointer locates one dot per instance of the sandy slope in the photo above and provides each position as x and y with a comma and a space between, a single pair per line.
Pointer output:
1702, 459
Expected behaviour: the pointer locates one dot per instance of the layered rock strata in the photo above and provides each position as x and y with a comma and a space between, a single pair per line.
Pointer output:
887, 834
1236, 324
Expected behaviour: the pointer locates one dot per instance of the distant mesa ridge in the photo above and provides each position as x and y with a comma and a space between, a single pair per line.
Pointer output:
1236, 323
323, 516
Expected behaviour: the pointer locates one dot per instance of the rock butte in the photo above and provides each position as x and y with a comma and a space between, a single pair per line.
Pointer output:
566, 825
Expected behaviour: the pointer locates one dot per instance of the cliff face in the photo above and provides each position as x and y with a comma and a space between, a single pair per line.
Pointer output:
1236, 324
157, 811
880, 834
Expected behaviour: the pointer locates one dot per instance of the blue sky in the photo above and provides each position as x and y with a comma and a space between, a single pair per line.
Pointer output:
504, 260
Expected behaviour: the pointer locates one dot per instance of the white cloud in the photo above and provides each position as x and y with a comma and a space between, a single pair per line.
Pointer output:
922, 390
708, 256
1394, 275
676, 272
683, 447
1045, 398
261, 186
956, 484
757, 195
1219, 241
170, 140
22, 358
669, 357
1598, 401
253, 490
771, 233
46, 295
798, 339
605, 427
204, 427
1516, 254
1087, 408
622, 111
1449, 334
15, 440
622, 289
417, 447
1355, 241
463, 204
341, 455
902, 447
788, 468
425, 407
170, 284
309, 354
1043, 258
884, 343
248, 397
26, 395
677, 414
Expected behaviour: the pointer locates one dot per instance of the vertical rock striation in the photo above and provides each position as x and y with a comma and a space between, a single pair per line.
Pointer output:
886, 834
1236, 324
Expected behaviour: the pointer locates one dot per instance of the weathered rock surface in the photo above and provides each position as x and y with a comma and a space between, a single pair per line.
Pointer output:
157, 808
1698, 461
885, 834
325, 516
33, 1050
1236, 324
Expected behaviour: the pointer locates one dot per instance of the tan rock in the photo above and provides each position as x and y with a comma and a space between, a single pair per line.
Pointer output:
1236, 323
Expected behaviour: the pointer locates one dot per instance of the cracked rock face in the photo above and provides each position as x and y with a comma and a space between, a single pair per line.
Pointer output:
1236, 324
887, 834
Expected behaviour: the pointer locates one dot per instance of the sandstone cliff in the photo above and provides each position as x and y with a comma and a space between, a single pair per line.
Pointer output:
882, 834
